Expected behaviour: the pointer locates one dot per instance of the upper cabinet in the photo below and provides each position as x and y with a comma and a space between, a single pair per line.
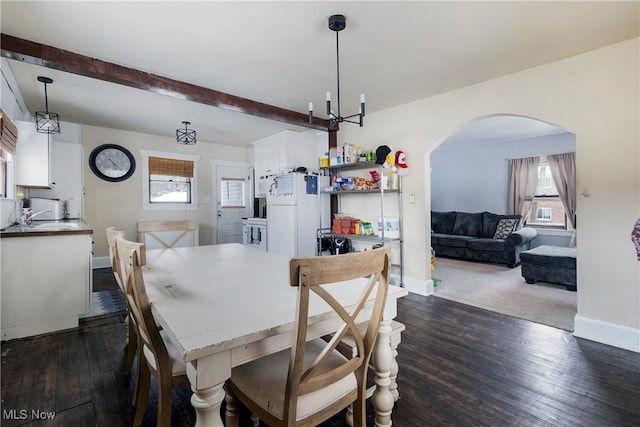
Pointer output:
34, 159
286, 150
66, 156
283, 151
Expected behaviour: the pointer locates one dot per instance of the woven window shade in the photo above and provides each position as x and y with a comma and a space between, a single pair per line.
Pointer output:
8, 134
170, 167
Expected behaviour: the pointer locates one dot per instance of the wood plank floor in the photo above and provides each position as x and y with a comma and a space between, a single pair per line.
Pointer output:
459, 366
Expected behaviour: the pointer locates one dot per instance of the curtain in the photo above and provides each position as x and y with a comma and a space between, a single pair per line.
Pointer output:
523, 180
563, 172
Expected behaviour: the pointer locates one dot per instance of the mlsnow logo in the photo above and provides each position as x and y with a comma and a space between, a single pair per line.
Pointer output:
25, 414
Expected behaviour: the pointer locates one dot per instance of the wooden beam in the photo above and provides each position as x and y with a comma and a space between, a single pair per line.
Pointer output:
58, 59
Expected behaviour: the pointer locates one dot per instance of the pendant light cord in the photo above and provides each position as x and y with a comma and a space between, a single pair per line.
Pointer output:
338, 70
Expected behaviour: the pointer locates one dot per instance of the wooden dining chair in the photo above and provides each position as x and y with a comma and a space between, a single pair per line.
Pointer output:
161, 359
167, 234
312, 382
131, 341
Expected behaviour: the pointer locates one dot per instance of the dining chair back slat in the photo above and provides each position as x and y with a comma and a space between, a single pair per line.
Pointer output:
167, 234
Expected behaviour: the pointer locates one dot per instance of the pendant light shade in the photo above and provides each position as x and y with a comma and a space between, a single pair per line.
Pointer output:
46, 121
186, 136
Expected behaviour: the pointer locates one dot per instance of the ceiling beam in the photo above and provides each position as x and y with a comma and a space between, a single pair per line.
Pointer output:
59, 59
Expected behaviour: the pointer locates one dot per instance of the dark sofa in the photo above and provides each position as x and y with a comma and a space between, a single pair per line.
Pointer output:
472, 236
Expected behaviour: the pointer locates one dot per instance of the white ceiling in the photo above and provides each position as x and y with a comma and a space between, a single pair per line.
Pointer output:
283, 54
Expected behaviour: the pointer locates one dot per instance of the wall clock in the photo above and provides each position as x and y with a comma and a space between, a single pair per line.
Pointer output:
112, 162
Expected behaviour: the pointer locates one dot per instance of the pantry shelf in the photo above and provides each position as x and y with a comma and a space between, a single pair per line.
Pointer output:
396, 241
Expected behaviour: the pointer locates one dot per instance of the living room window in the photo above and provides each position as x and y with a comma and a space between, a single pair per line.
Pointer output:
169, 181
546, 206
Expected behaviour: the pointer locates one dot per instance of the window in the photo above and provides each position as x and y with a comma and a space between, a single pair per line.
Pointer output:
546, 207
232, 193
169, 181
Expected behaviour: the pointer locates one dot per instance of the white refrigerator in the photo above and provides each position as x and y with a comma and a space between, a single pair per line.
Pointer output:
296, 209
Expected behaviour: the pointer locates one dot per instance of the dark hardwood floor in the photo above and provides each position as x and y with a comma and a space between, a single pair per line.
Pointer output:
459, 366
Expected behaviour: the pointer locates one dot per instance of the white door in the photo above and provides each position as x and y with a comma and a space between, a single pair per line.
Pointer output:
232, 194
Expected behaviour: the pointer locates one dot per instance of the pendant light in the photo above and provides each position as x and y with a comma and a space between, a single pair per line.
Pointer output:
186, 136
47, 122
338, 23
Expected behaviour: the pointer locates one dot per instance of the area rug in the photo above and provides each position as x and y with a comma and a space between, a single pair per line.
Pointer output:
501, 289
106, 302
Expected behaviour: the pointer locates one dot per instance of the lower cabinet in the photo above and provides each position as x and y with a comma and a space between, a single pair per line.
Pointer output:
46, 283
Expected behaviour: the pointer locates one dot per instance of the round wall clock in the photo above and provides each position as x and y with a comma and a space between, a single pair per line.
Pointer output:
112, 162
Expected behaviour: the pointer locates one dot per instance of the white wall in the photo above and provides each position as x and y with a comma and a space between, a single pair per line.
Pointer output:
475, 178
593, 95
120, 203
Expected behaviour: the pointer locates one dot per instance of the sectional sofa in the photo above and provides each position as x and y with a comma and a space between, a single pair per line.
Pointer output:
483, 236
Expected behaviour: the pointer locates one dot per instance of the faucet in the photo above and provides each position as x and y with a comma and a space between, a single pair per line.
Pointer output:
26, 217
31, 216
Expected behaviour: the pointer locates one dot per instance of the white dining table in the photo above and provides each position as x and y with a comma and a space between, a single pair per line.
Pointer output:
225, 305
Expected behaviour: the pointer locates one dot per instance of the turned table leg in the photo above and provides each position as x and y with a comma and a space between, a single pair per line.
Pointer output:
207, 403
382, 360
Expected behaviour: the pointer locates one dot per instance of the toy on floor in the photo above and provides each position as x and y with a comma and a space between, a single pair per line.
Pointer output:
433, 267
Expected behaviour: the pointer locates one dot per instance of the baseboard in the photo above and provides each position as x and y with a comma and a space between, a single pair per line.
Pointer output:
607, 333
101, 262
38, 328
417, 286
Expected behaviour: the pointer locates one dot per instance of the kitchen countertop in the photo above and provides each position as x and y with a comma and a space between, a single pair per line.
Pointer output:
48, 228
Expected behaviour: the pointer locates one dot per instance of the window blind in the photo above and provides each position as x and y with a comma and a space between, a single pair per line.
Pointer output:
170, 167
8, 134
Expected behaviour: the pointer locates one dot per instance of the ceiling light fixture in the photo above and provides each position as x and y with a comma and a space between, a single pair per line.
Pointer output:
186, 136
47, 122
338, 23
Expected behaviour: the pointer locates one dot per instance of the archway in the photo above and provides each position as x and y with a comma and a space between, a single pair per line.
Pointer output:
469, 174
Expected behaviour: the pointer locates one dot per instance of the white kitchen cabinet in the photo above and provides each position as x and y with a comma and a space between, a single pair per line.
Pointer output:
46, 283
67, 155
34, 159
283, 151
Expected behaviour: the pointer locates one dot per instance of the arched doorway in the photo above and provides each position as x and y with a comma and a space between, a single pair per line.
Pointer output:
470, 174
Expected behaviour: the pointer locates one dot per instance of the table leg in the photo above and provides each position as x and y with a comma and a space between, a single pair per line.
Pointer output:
231, 413
382, 360
207, 403
393, 375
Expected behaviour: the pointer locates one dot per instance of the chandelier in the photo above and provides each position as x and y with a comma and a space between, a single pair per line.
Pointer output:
186, 136
47, 122
338, 23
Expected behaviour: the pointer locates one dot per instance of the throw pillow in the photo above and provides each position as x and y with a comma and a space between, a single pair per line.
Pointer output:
505, 227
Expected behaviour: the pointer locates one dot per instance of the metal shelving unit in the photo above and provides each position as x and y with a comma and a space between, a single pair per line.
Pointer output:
382, 239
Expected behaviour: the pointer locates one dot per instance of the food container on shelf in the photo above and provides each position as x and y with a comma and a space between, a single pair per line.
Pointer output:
391, 227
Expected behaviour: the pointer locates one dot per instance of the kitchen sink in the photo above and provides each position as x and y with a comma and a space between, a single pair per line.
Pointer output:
55, 226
